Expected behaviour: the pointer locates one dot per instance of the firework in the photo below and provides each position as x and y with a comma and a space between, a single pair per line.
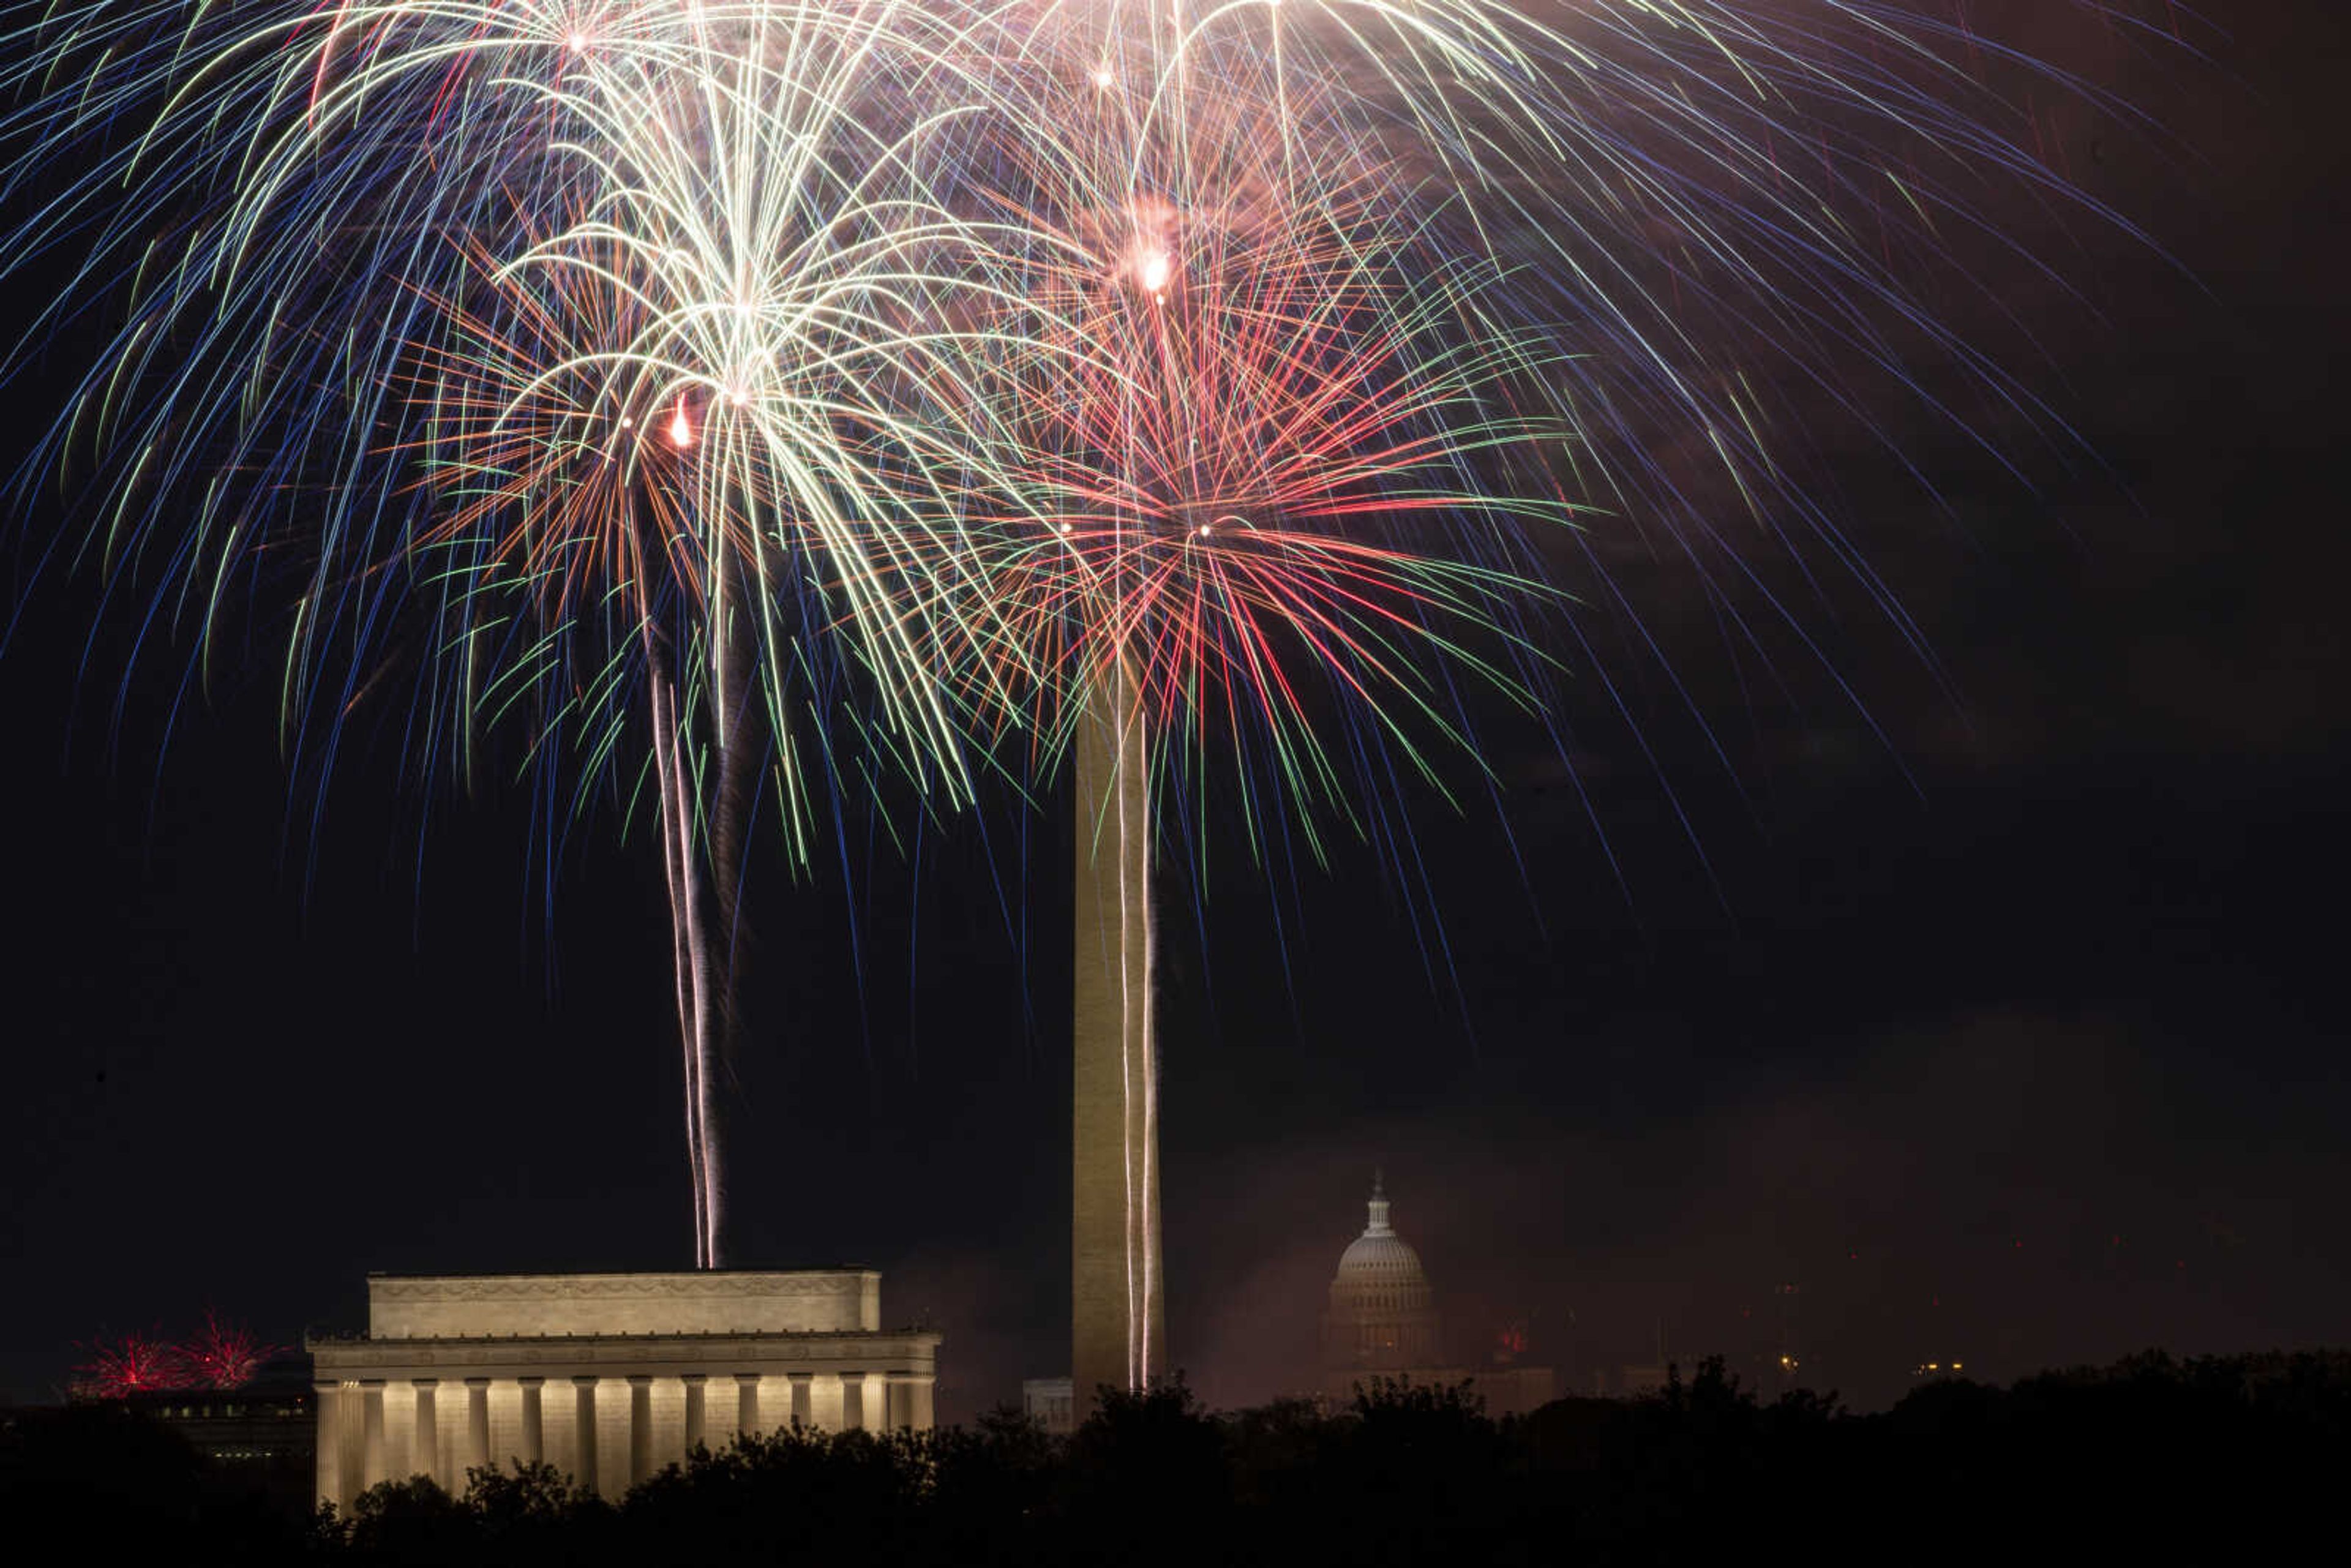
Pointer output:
1744, 226
1199, 391
683, 439
1364, 300
123, 1365
542, 351
224, 1354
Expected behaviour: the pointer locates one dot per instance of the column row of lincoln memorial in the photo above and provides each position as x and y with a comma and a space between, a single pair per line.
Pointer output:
606, 1377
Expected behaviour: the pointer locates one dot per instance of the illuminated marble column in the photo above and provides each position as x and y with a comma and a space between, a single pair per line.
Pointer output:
424, 1449
853, 1401
349, 1470
534, 1422
746, 1403
720, 1407
583, 1399
477, 1422
910, 1402
803, 1397
921, 1410
893, 1402
329, 1409
694, 1381
641, 1427
372, 1465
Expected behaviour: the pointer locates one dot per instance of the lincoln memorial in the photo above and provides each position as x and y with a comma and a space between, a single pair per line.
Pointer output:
605, 1376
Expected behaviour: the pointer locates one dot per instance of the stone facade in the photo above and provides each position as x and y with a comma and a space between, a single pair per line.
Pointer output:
606, 1377
845, 1300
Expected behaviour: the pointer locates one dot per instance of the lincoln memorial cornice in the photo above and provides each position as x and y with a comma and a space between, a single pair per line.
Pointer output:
815, 1351
574, 1287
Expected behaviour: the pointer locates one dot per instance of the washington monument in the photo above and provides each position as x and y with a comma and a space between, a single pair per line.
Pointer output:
1117, 1297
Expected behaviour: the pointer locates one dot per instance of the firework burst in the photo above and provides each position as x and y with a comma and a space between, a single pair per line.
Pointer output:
124, 1364
224, 1354
1285, 457
700, 385
690, 437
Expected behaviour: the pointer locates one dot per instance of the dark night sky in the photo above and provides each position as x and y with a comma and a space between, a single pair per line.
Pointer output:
2039, 1060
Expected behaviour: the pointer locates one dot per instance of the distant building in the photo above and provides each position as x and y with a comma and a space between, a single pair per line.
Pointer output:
262, 1433
1382, 1322
265, 1422
608, 1377
1632, 1382
1047, 1401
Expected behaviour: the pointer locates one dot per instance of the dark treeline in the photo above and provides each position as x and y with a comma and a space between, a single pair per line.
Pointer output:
2189, 1459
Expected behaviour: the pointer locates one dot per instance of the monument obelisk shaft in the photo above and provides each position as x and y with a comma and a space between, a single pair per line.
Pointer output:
1118, 1333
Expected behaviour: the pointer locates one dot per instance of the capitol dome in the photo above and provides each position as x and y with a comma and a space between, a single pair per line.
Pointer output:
1383, 1313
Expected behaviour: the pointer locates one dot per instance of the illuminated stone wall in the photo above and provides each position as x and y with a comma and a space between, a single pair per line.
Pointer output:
837, 1301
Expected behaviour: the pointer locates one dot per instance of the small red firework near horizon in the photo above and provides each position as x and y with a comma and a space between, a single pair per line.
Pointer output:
123, 1365
222, 1355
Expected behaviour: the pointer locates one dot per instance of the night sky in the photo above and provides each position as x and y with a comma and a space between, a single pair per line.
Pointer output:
2015, 1038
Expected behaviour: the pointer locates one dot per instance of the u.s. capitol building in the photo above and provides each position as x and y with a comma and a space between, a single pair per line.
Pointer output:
1382, 1323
